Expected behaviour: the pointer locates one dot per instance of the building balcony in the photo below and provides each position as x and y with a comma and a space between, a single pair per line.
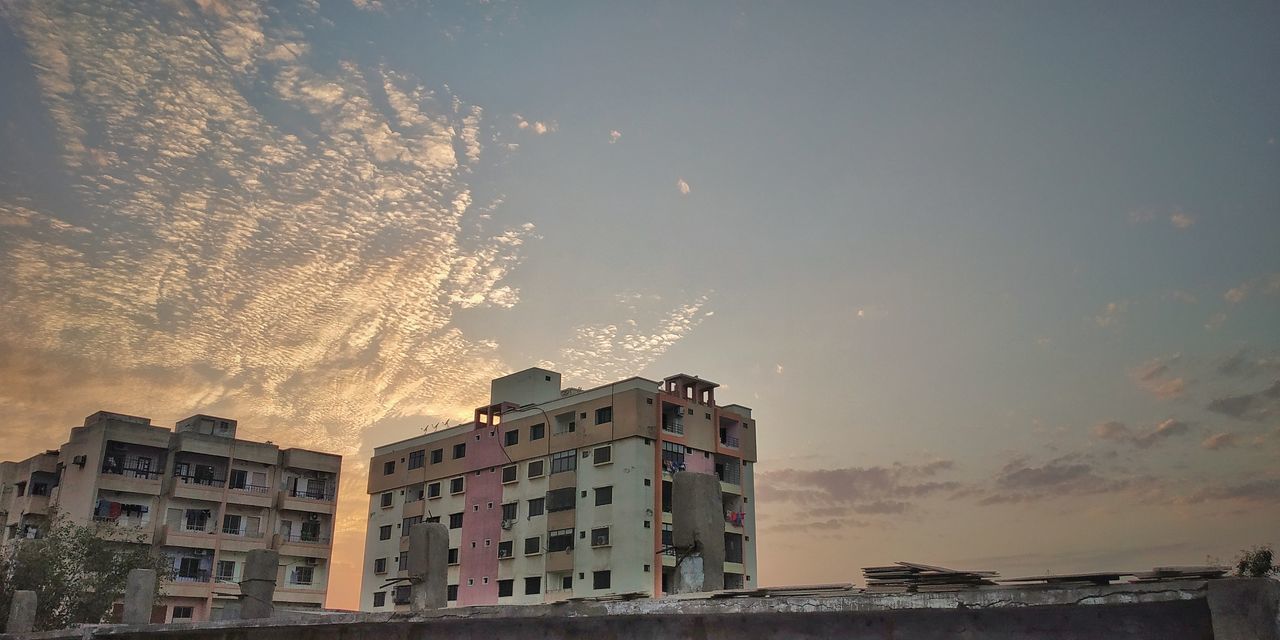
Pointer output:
191, 585
305, 546
124, 529
251, 495
730, 442
306, 500
134, 479
199, 488
297, 594
188, 536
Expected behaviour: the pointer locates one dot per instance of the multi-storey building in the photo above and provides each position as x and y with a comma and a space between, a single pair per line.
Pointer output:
551, 494
199, 494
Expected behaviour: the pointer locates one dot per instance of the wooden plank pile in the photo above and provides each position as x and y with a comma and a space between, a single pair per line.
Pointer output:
910, 577
1163, 574
1069, 579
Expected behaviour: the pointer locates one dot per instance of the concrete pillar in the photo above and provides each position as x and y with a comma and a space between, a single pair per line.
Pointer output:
697, 531
22, 612
1244, 608
258, 588
139, 596
428, 566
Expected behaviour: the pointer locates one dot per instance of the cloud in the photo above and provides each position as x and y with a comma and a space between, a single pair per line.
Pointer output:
1264, 491
1236, 295
600, 353
1154, 377
1118, 432
1219, 441
1181, 220
1257, 406
281, 241
537, 127
1065, 476
777, 369
614, 135
682, 186
1111, 313
865, 490
1184, 297
1215, 321
1247, 363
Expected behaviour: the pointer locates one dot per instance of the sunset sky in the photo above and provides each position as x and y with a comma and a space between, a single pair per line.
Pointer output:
1000, 280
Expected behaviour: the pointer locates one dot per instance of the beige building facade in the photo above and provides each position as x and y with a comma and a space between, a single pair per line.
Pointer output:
551, 494
196, 492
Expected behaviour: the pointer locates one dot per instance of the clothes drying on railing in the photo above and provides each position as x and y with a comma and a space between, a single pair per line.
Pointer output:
735, 518
671, 466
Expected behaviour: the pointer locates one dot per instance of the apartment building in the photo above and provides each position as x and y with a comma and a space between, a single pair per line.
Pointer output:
196, 492
550, 494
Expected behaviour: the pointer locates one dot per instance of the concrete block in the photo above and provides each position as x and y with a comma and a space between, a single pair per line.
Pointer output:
1244, 608
22, 612
697, 528
428, 562
258, 587
139, 596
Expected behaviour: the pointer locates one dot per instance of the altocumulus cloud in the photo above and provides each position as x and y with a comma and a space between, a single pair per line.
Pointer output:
253, 232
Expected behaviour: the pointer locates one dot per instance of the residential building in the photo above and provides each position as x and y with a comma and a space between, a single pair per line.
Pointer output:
550, 494
202, 496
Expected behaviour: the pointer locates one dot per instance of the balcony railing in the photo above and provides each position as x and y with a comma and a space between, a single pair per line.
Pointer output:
195, 576
244, 533
252, 488
301, 580
304, 538
735, 518
325, 495
729, 441
730, 474
673, 426
196, 527
202, 481
145, 473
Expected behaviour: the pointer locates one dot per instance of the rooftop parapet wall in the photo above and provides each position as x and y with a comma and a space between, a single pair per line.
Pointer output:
1221, 609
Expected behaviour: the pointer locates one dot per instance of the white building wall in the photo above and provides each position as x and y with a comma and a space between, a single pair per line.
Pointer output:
749, 529
630, 543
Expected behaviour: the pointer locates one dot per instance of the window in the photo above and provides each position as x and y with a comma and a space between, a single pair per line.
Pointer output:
437, 456
532, 545
512, 437
533, 585
600, 537
386, 500
672, 457
417, 458
388, 467
226, 569
505, 548
455, 521
603, 455
537, 432
451, 592
183, 613
459, 450
238, 479
604, 495
509, 510
380, 565
560, 540
536, 507
456, 485
433, 490
509, 473
384, 532
666, 497
560, 499
407, 523
302, 575
379, 598
402, 561
433, 519
505, 588
604, 414
564, 461
401, 594
600, 579
536, 468
566, 583
416, 493
565, 423
453, 556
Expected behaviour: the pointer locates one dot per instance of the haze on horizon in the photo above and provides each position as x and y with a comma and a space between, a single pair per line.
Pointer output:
999, 281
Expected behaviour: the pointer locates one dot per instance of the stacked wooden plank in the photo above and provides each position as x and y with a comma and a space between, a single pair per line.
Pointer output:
1162, 574
910, 577
1070, 579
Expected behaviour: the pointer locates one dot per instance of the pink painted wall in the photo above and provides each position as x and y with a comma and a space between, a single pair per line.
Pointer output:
486, 456
694, 461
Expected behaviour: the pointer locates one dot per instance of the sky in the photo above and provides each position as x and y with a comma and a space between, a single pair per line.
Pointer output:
1000, 281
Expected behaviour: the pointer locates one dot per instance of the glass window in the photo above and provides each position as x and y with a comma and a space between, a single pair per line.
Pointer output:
532, 545
600, 579
509, 473
604, 414
505, 587
604, 495
561, 499
455, 521
456, 485
536, 468
564, 461
380, 565
537, 432
379, 598
388, 467
509, 510
453, 556
512, 437
451, 592
600, 537
416, 459
505, 548
437, 456
536, 507
384, 532
386, 499
408, 522
433, 490
559, 540
533, 585
459, 450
